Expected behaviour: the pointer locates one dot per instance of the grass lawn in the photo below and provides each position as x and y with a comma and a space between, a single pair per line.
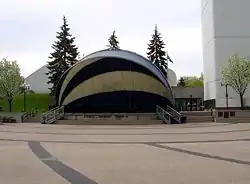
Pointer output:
40, 101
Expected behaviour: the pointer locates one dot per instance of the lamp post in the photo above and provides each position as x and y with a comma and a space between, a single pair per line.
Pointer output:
191, 103
226, 93
25, 87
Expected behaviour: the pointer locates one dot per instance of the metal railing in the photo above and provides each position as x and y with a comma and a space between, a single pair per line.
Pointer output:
163, 115
25, 116
28, 115
52, 115
174, 113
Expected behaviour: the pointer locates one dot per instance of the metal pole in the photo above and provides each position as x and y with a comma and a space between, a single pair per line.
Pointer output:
24, 100
226, 97
226, 93
191, 103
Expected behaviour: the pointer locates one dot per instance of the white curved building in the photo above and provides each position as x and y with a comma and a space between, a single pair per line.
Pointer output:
172, 78
225, 27
38, 80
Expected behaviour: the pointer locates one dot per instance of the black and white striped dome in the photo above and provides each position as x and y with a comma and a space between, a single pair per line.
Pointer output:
113, 81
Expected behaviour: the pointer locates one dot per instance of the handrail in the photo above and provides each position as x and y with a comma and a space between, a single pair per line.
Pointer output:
28, 115
52, 115
175, 114
25, 116
163, 115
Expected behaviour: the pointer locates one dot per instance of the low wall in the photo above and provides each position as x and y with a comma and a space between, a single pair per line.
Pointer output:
232, 116
109, 119
108, 122
15, 115
109, 116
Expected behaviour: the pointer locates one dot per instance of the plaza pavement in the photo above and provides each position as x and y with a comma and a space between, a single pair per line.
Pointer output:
157, 154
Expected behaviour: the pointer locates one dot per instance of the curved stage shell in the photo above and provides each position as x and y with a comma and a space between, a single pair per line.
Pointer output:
113, 81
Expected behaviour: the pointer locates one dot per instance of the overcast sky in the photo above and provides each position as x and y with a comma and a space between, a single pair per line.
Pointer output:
28, 28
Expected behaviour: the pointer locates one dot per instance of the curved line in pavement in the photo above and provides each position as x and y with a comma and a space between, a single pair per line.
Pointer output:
128, 142
68, 173
204, 155
117, 134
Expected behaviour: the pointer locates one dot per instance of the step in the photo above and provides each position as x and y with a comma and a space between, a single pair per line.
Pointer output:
233, 120
36, 118
109, 122
196, 118
32, 120
196, 113
200, 119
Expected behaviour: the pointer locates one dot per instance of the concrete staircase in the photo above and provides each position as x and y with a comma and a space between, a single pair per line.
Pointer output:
52, 115
198, 116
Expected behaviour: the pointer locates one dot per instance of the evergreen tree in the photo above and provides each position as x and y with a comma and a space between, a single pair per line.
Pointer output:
65, 54
181, 82
156, 52
113, 42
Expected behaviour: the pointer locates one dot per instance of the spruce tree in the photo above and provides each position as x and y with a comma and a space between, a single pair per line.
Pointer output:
181, 82
113, 42
156, 52
65, 54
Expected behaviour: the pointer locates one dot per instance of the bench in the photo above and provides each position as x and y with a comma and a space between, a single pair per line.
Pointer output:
7, 119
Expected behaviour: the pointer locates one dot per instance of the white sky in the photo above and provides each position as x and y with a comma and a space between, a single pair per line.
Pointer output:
28, 29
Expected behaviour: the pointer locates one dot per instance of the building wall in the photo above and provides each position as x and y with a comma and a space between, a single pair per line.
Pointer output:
225, 26
117, 81
38, 81
172, 78
208, 50
186, 92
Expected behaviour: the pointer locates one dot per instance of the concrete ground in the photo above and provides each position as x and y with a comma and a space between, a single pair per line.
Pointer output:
159, 154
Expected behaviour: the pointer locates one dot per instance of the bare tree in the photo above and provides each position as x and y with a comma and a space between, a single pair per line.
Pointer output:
237, 75
10, 80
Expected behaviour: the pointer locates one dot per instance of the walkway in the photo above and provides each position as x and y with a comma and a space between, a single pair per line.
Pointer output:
160, 154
